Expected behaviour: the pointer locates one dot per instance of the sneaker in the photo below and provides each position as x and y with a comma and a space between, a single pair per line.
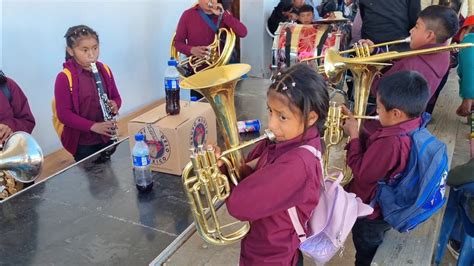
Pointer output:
454, 247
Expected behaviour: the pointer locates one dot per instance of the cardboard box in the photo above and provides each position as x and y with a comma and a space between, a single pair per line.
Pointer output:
170, 137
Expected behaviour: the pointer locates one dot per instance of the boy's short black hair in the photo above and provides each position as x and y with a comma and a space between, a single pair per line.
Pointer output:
442, 20
405, 90
3, 78
306, 8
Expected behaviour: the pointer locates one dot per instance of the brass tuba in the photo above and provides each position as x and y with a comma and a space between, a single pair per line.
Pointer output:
364, 68
204, 184
21, 160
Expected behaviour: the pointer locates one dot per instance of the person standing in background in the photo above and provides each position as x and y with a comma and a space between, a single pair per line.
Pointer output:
15, 112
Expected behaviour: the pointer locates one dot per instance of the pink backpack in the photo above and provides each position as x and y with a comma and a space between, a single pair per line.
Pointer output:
331, 220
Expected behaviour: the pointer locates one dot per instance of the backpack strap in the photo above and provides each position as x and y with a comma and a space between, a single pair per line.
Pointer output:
339, 174
296, 224
68, 74
6, 91
107, 69
292, 211
315, 152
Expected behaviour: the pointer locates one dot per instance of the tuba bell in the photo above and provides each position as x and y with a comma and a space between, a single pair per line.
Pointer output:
204, 184
364, 69
21, 161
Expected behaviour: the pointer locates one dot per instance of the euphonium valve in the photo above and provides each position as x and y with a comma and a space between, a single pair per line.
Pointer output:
333, 133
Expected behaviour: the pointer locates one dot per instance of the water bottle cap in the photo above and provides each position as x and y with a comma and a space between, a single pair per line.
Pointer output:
172, 62
139, 137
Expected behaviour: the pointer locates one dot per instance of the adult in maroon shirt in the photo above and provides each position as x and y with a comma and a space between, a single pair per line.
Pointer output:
383, 155
15, 112
85, 131
193, 34
285, 175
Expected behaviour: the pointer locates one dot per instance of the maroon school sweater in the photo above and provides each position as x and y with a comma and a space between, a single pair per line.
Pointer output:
382, 155
16, 114
285, 176
75, 108
431, 66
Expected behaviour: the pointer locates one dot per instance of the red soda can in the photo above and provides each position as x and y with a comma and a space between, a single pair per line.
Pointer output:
249, 126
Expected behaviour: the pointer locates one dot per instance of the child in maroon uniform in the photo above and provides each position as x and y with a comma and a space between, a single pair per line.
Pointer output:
15, 113
401, 99
435, 25
78, 108
284, 175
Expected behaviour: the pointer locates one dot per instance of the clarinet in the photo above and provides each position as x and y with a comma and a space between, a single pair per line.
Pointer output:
104, 101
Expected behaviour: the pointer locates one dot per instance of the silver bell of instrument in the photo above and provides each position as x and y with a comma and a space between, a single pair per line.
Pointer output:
22, 157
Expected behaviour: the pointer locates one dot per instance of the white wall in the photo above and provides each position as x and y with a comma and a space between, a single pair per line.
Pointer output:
134, 36
256, 47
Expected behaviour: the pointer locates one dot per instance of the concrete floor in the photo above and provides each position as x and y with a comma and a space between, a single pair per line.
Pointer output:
195, 251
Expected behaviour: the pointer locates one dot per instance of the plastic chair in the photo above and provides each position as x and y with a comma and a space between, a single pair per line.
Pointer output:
456, 213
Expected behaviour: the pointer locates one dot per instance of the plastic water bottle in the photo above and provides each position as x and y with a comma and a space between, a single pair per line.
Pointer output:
141, 164
172, 88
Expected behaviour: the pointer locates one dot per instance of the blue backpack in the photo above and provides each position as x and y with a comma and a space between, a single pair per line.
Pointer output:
420, 190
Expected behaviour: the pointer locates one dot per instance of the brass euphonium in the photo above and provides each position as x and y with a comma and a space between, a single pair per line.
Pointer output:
364, 68
219, 53
21, 161
203, 182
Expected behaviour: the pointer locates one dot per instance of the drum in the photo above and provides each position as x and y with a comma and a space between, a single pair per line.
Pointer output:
294, 42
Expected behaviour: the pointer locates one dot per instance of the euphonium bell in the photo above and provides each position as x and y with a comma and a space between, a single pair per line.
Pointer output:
203, 181
21, 158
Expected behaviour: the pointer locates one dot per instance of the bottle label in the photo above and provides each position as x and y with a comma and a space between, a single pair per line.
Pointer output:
171, 84
141, 160
248, 126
